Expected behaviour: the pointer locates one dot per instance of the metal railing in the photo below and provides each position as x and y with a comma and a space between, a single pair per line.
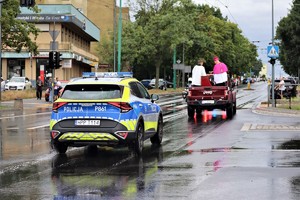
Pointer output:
291, 91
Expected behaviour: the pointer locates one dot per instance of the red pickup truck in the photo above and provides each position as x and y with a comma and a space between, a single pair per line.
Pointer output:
209, 97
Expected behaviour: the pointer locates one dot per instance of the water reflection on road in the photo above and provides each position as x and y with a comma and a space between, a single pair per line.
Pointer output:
198, 159
101, 173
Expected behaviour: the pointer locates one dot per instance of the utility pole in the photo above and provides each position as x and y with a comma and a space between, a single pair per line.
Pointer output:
119, 36
174, 70
0, 48
115, 35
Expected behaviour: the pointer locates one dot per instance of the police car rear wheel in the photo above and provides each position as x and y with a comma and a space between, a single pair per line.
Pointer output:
139, 141
157, 138
59, 147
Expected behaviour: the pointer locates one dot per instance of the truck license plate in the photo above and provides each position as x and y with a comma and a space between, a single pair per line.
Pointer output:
208, 101
84, 122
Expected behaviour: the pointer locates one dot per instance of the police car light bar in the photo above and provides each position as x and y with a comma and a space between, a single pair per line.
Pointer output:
107, 74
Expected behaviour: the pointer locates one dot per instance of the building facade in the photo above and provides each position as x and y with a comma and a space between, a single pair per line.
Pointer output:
71, 27
104, 14
62, 28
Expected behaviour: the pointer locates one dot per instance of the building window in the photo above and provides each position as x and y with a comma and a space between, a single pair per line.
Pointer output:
16, 67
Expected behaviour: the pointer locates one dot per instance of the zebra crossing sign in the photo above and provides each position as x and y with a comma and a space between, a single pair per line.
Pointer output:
273, 51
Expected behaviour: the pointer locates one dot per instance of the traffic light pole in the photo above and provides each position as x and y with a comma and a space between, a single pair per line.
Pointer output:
53, 48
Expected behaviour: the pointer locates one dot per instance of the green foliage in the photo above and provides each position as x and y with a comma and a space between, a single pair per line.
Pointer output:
288, 32
105, 50
16, 33
194, 30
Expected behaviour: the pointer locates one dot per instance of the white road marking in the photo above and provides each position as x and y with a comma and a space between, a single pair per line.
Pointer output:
15, 116
37, 127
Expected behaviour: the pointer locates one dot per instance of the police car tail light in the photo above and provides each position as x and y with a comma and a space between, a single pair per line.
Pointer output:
54, 134
124, 107
122, 134
57, 105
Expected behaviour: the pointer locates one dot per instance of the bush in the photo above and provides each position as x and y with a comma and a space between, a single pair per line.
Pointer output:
9, 95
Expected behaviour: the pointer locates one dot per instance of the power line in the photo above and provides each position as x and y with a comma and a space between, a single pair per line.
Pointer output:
226, 6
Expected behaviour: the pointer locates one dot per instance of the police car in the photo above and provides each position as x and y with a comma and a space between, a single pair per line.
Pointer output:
110, 109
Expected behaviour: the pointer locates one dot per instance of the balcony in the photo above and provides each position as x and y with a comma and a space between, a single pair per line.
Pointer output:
68, 47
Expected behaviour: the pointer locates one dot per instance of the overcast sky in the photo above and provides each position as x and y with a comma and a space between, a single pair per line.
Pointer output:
254, 18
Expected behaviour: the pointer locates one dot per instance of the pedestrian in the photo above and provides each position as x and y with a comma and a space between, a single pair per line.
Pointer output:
197, 72
2, 84
57, 87
39, 88
50, 89
220, 72
281, 86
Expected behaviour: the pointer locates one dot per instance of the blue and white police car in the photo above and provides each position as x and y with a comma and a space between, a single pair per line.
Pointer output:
110, 109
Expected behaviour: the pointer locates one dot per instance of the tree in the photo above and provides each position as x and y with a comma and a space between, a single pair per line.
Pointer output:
288, 32
158, 29
16, 34
105, 51
198, 30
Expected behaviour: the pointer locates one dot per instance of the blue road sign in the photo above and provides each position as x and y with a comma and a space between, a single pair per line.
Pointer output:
273, 52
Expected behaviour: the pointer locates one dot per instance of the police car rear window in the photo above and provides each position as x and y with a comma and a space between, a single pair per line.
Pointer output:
92, 92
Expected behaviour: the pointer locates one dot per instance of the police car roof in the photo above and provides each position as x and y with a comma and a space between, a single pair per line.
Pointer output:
99, 80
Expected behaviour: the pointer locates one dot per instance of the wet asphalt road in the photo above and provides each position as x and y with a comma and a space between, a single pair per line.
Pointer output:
252, 156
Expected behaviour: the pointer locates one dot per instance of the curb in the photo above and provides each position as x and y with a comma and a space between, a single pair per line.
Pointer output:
275, 111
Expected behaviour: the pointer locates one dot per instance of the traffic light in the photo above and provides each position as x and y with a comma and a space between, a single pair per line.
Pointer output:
51, 60
57, 60
272, 61
27, 3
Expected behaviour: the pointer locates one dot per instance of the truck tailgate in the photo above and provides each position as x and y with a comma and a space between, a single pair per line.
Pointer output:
208, 92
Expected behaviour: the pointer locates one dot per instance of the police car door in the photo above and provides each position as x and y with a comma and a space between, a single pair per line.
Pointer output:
142, 104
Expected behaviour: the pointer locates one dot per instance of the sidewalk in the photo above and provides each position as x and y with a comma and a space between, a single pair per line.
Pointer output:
263, 109
28, 104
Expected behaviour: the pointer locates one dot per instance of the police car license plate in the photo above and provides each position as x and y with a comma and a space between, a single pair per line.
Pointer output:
208, 101
87, 122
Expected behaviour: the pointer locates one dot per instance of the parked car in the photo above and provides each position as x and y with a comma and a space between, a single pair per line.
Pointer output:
146, 83
246, 80
106, 111
18, 83
161, 83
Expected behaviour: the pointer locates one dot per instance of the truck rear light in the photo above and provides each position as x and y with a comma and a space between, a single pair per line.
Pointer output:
124, 107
